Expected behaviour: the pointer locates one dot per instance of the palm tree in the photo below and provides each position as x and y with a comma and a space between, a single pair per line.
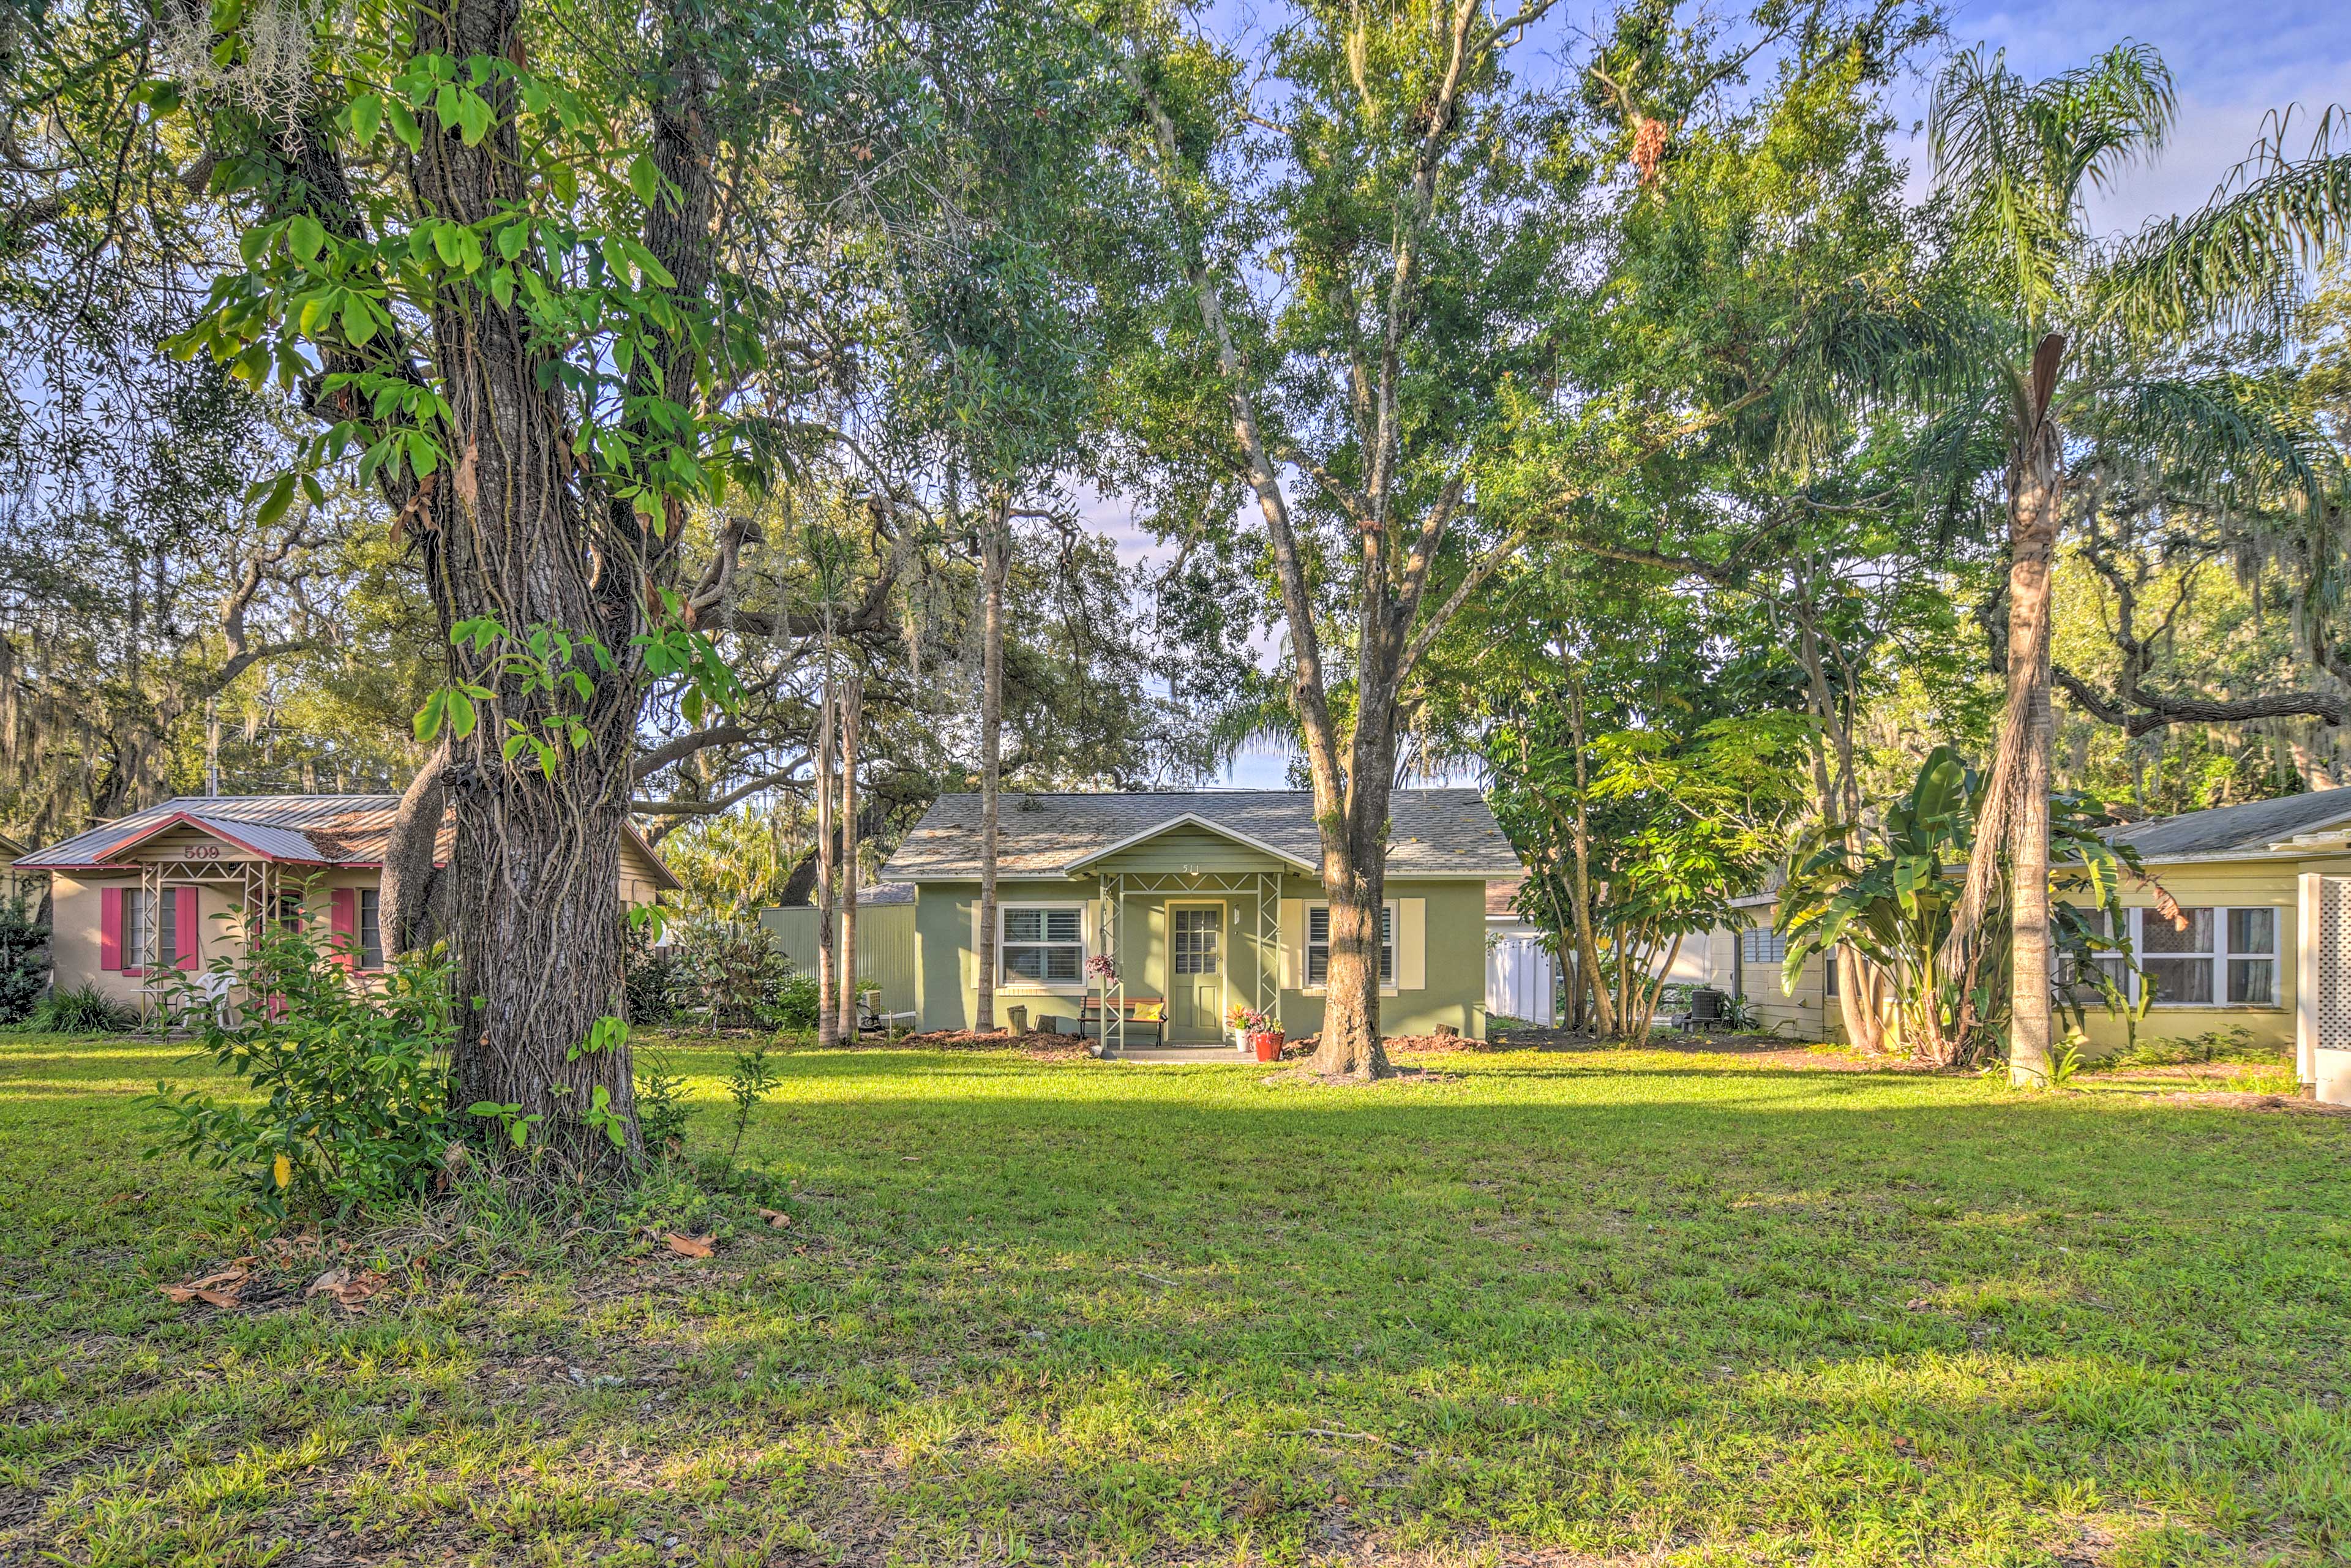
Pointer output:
2079, 320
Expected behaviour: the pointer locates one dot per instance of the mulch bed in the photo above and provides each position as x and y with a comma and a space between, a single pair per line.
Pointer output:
1049, 1047
2242, 1101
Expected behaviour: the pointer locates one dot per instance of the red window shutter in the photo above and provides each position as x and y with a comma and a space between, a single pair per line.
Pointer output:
345, 926
109, 928
190, 936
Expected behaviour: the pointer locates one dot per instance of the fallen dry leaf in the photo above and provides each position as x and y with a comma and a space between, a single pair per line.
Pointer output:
690, 1246
345, 1288
219, 1290
776, 1219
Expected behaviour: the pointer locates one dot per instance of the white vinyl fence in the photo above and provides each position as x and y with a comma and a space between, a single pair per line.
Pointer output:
1522, 980
1522, 976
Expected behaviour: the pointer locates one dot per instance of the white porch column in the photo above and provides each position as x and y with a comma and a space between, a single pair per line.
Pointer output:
2308, 929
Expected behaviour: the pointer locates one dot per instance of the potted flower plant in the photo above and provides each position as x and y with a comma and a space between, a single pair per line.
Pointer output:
1266, 1037
1238, 1022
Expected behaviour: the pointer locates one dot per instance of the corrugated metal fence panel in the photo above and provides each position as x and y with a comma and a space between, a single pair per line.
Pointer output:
885, 947
1521, 980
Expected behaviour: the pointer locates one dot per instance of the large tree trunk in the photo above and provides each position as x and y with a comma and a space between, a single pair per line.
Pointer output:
1355, 880
996, 552
853, 696
406, 914
512, 531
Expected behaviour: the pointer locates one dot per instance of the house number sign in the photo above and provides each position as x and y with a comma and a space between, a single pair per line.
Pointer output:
203, 851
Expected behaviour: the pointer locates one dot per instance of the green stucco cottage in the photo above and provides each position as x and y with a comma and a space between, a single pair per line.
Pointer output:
1203, 899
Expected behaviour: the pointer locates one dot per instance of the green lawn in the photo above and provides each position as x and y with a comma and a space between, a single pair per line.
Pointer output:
1529, 1307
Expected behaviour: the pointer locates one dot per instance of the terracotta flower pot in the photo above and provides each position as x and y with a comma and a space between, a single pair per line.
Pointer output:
1268, 1043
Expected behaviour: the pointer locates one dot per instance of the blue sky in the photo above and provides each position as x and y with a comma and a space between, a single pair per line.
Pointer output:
2234, 63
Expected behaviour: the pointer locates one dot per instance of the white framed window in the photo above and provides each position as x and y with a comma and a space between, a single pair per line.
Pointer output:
1761, 945
370, 931
1318, 945
2213, 957
1040, 943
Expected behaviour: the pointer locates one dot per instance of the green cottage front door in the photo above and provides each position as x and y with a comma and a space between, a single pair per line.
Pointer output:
1196, 980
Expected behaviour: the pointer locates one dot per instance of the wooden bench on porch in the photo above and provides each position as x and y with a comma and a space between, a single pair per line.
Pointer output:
1145, 1012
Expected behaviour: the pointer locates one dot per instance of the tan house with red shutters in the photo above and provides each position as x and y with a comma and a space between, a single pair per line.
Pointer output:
172, 887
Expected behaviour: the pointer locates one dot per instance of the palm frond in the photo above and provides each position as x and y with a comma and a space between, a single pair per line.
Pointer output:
2016, 157
2234, 436
2233, 262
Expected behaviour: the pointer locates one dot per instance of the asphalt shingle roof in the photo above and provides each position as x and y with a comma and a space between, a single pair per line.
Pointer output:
1434, 832
2251, 828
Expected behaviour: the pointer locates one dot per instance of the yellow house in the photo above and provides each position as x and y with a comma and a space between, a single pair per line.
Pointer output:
170, 888
2263, 945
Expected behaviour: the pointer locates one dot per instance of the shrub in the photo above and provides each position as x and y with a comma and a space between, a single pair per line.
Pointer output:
733, 974
796, 1004
353, 1082
24, 960
650, 978
85, 1009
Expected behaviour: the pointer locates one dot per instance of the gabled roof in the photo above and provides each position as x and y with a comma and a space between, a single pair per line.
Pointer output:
2249, 829
293, 830
1433, 833
1191, 820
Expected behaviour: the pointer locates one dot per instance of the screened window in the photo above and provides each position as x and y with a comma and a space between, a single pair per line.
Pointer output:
1761, 945
2213, 956
370, 931
2178, 958
1318, 945
1043, 944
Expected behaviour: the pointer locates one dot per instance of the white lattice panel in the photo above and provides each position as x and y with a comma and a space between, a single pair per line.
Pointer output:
2335, 963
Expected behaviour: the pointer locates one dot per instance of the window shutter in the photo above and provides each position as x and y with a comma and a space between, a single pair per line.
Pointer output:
191, 936
1412, 945
1293, 944
343, 926
109, 928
